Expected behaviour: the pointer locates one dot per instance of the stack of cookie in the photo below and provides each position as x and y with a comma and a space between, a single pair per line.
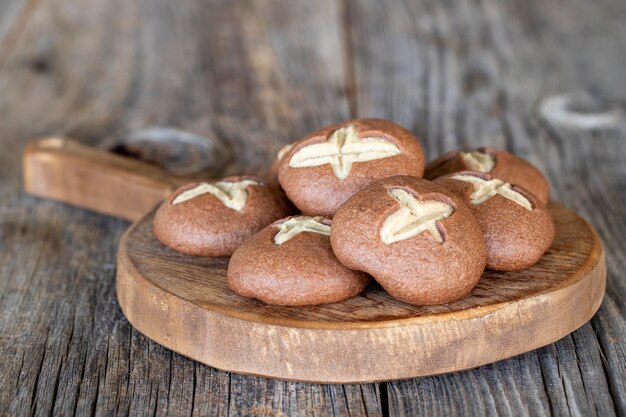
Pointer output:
365, 212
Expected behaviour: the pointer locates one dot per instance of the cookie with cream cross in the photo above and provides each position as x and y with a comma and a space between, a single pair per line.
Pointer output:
214, 218
518, 229
292, 263
321, 171
418, 240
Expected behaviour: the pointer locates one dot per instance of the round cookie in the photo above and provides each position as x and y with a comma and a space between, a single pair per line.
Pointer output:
291, 263
518, 229
497, 163
417, 239
320, 172
213, 219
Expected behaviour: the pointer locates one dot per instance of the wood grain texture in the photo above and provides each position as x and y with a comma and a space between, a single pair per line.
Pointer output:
256, 75
184, 303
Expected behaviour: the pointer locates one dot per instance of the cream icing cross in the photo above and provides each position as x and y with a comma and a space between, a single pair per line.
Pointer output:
479, 161
232, 194
343, 148
413, 218
300, 224
485, 190
283, 151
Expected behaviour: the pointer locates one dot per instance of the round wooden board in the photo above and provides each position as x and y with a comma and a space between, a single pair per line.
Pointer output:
183, 303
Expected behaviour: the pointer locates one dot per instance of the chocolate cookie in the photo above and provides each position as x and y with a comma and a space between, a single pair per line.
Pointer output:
517, 228
417, 239
291, 263
497, 163
321, 171
213, 219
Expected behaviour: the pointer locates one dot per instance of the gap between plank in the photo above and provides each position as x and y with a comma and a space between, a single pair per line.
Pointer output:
384, 399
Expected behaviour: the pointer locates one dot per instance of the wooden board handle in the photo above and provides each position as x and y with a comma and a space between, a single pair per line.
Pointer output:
65, 170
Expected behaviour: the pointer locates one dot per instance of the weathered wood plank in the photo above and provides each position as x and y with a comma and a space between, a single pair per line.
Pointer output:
466, 74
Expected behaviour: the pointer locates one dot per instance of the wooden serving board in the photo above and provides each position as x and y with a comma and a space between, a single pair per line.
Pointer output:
183, 303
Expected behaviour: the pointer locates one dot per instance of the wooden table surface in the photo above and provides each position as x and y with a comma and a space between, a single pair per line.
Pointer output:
256, 75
